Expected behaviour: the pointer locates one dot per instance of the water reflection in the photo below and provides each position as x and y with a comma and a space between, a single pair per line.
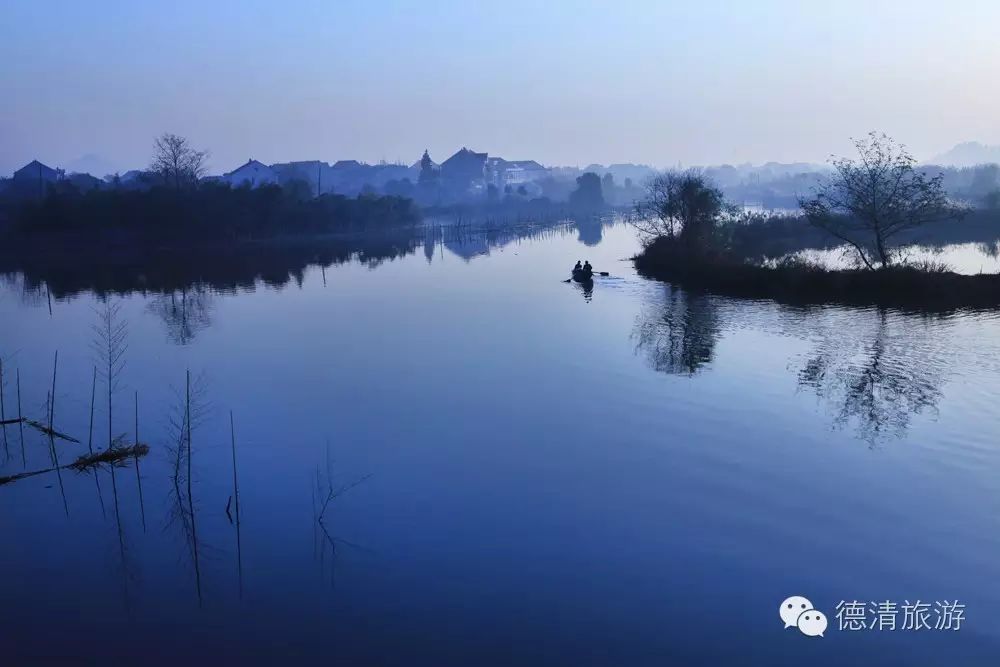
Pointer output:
192, 274
875, 374
181, 285
174, 271
678, 331
185, 312
590, 231
874, 370
587, 288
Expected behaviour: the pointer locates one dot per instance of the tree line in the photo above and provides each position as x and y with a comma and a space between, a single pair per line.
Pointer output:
868, 204
177, 204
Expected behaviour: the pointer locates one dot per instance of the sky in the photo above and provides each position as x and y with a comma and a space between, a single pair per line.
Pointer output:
565, 82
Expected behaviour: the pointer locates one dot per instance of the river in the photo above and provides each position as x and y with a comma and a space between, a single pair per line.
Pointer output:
509, 468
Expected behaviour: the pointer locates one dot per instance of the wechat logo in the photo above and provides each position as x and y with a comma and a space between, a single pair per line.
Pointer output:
798, 612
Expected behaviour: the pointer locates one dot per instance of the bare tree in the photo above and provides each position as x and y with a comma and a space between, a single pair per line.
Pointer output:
868, 202
682, 204
176, 161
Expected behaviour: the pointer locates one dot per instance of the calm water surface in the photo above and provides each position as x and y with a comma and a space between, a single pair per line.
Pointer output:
635, 475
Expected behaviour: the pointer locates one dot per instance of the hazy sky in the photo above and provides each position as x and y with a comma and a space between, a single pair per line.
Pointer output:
561, 81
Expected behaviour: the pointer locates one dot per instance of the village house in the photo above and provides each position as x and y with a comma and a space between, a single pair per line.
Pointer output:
465, 171
35, 172
34, 178
253, 174
502, 173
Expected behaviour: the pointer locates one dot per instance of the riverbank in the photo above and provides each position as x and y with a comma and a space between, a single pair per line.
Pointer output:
906, 287
164, 216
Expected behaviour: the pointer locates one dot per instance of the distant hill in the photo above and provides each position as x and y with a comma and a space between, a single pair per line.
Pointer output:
968, 154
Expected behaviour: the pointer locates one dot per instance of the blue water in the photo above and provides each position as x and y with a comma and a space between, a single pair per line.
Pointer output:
633, 475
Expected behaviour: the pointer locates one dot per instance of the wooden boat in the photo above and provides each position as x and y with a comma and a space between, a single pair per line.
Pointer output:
581, 276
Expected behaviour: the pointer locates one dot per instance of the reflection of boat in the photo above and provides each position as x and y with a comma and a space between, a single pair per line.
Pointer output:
581, 276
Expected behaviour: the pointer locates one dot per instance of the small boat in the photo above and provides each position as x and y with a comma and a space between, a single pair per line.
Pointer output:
581, 276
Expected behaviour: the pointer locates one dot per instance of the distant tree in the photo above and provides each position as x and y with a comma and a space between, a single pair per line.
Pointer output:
608, 182
492, 193
399, 188
298, 189
985, 179
428, 174
992, 200
868, 202
588, 193
628, 183
681, 204
523, 191
177, 163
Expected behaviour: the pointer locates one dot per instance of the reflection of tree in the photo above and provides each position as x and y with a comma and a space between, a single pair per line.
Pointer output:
185, 312
989, 248
590, 231
32, 294
429, 246
876, 382
678, 335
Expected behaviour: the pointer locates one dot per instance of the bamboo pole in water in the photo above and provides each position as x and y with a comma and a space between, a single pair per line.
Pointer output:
93, 398
236, 494
138, 477
20, 426
52, 439
52, 411
90, 438
3, 415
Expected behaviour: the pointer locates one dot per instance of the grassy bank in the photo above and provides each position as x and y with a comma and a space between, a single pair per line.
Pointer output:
799, 283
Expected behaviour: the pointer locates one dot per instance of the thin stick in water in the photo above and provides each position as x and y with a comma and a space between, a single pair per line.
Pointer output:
20, 426
52, 439
90, 439
138, 477
236, 494
93, 399
3, 416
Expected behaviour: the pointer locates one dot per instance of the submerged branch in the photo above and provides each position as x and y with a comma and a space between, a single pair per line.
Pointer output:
48, 431
116, 456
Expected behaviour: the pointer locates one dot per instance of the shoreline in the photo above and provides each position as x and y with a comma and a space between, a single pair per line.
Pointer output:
905, 288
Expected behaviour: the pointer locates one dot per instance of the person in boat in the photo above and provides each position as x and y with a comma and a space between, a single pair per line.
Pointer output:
587, 268
577, 267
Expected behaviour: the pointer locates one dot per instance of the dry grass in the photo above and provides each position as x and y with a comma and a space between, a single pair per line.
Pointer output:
116, 456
